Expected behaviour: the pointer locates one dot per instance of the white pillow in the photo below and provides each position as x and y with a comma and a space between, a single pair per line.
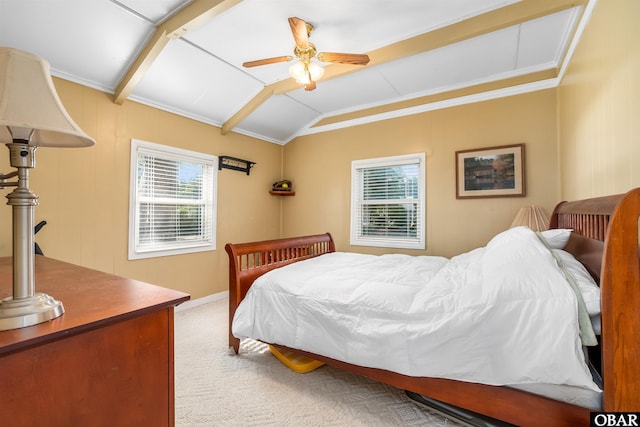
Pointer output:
557, 238
588, 288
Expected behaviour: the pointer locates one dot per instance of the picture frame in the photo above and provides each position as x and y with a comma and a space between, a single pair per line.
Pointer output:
491, 172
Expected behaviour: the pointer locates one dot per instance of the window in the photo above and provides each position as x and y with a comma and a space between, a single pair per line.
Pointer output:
173, 195
387, 202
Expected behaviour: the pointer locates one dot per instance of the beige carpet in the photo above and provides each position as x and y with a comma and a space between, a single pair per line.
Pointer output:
214, 388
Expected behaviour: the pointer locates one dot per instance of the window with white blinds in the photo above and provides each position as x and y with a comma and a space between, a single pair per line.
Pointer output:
173, 195
387, 202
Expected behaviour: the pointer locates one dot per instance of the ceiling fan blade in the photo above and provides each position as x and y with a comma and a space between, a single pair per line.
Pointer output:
267, 61
344, 58
300, 32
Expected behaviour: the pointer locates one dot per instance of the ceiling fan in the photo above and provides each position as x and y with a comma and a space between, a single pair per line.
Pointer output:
304, 71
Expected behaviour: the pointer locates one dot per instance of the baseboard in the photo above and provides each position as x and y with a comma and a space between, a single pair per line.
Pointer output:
201, 301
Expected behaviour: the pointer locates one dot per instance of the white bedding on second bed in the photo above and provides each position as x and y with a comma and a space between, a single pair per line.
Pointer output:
503, 314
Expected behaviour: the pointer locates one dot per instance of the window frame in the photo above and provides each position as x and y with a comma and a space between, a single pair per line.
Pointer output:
356, 237
172, 154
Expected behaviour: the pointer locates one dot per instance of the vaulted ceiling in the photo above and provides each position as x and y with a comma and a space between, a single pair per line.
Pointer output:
186, 56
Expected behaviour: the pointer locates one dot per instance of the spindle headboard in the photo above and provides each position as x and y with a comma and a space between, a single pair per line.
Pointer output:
590, 220
606, 241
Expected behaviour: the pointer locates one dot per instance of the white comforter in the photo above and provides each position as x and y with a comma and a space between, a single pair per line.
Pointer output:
502, 314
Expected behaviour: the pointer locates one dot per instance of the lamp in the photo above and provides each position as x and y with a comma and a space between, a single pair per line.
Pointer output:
31, 115
305, 72
534, 217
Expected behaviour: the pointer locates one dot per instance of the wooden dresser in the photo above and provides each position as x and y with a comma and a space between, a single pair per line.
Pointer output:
107, 361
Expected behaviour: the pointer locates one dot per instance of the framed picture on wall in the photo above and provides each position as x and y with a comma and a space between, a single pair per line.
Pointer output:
490, 172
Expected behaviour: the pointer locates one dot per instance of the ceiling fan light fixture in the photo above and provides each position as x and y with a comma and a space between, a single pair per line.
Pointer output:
299, 72
316, 71
306, 72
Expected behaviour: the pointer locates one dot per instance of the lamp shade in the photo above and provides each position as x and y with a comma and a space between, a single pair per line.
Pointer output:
30, 108
534, 217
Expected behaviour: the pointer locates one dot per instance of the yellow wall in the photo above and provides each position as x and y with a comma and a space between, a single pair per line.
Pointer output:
582, 140
84, 192
320, 167
599, 105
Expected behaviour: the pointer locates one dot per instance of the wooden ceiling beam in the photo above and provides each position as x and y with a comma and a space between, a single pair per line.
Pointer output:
485, 23
476, 89
189, 18
277, 88
140, 66
498, 19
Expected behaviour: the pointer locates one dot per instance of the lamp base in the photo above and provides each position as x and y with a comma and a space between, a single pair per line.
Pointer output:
23, 312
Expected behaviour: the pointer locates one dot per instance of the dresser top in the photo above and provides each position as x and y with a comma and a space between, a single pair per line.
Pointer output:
91, 299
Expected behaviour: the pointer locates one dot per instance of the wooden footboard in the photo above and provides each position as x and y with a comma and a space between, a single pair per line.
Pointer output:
605, 240
248, 261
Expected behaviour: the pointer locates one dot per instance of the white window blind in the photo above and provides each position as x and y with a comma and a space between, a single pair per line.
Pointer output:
172, 201
387, 200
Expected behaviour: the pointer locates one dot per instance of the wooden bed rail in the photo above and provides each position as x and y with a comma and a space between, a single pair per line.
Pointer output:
248, 261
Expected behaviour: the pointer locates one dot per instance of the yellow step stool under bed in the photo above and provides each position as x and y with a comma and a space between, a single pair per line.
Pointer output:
294, 361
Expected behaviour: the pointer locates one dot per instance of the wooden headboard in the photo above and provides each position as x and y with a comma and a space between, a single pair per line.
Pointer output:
605, 240
590, 220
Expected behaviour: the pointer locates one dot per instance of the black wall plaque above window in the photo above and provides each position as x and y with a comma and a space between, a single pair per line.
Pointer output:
228, 162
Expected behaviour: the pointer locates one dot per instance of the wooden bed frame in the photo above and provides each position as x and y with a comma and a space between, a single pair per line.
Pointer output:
605, 240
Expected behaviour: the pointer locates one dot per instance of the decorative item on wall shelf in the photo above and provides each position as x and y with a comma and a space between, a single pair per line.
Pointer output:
234, 163
282, 188
490, 172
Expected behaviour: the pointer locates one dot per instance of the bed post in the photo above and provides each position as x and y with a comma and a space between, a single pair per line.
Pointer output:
234, 294
620, 286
